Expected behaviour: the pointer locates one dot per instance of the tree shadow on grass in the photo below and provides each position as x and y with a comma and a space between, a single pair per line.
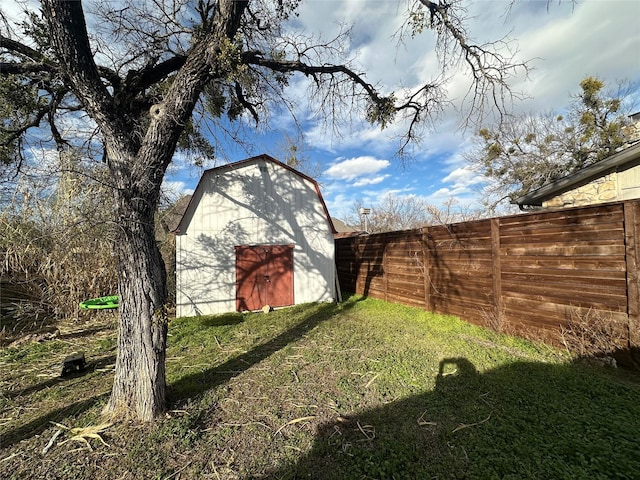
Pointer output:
226, 319
87, 332
40, 424
90, 367
195, 384
522, 420
187, 387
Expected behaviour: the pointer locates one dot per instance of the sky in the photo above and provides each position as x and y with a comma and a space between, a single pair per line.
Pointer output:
563, 41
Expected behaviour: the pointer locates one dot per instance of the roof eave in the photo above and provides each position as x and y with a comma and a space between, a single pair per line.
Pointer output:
581, 177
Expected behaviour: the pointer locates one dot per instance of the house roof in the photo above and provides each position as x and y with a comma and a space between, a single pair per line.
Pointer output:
626, 158
341, 226
172, 217
240, 164
345, 231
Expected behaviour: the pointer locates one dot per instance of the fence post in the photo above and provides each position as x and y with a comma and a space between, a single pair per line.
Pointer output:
497, 270
632, 254
385, 267
426, 258
360, 283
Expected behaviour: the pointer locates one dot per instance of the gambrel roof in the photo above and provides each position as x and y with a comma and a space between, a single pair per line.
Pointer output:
181, 227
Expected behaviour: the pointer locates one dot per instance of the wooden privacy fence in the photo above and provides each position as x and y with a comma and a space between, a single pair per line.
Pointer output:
533, 273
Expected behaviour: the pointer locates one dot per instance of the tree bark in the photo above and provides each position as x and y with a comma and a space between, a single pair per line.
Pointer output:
139, 384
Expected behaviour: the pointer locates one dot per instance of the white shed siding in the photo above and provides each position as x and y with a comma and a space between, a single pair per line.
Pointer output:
254, 203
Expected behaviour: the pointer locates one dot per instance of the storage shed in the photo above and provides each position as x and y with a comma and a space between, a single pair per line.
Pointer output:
256, 233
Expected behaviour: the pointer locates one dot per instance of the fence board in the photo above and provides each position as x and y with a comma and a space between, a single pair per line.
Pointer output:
581, 280
566, 250
574, 296
584, 262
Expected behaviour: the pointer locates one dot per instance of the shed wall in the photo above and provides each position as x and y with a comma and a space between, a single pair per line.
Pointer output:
257, 204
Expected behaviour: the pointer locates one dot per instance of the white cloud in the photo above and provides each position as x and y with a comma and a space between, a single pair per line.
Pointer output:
176, 188
567, 41
43, 161
564, 43
353, 168
463, 177
575, 40
375, 196
340, 204
370, 181
16, 11
463, 196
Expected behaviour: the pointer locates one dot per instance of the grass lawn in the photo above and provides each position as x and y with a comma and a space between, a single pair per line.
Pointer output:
361, 390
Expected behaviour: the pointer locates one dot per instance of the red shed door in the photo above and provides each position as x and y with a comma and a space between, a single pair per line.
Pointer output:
264, 276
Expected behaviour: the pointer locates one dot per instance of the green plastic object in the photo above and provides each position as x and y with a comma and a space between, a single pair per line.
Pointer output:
101, 303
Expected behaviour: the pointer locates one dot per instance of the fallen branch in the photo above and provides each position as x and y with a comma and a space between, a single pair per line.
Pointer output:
11, 456
80, 434
369, 428
297, 420
422, 422
51, 441
467, 425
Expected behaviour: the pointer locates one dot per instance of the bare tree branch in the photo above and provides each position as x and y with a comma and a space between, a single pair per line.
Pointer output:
70, 39
489, 68
21, 49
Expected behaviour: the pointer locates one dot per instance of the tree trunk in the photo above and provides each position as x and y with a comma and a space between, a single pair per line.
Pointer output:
139, 385
138, 157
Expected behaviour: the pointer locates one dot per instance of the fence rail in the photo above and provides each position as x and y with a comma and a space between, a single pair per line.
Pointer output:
531, 273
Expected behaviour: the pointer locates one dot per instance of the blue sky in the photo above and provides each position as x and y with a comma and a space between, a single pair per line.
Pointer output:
564, 42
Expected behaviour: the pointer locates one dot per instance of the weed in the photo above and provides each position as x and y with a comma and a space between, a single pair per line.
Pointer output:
591, 333
493, 319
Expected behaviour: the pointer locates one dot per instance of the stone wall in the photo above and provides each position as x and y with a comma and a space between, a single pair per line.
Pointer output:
601, 190
631, 134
